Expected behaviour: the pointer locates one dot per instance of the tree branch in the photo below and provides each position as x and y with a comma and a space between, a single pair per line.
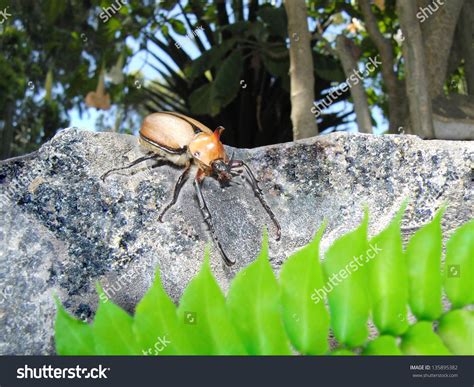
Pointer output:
390, 78
349, 64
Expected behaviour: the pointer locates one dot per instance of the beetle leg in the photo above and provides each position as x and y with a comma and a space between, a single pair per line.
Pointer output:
177, 189
258, 193
207, 217
149, 156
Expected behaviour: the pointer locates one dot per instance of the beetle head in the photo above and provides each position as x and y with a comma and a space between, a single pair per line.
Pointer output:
221, 170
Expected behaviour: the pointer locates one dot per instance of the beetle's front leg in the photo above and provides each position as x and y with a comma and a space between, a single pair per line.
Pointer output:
177, 189
258, 193
207, 216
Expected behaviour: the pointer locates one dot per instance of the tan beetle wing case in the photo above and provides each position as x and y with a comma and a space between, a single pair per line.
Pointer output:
196, 123
167, 131
169, 134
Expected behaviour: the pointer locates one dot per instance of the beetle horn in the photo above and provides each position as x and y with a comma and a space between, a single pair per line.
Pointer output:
218, 132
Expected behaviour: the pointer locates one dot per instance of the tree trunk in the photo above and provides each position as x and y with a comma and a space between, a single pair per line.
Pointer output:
349, 64
421, 115
396, 96
438, 20
301, 71
466, 33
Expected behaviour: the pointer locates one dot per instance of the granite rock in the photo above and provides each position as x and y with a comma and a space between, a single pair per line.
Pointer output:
64, 229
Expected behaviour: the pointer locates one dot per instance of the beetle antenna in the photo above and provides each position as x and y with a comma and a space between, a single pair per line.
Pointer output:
231, 161
149, 156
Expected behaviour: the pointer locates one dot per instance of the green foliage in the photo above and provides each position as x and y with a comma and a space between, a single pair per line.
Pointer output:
456, 328
155, 316
212, 97
348, 296
420, 339
76, 336
459, 266
214, 331
306, 321
51, 53
424, 270
113, 329
265, 316
388, 280
382, 345
253, 301
341, 352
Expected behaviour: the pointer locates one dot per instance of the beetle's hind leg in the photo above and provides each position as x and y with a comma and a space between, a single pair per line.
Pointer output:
148, 156
258, 193
177, 189
207, 217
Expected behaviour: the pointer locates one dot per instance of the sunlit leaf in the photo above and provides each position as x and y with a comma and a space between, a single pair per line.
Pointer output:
424, 270
459, 266
346, 282
155, 323
112, 329
178, 26
421, 340
388, 280
306, 320
456, 329
204, 318
254, 303
113, 25
72, 337
383, 345
341, 352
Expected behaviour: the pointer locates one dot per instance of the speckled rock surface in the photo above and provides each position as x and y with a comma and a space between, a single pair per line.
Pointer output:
64, 229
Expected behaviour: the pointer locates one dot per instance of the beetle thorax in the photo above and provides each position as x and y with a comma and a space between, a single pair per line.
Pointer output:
206, 148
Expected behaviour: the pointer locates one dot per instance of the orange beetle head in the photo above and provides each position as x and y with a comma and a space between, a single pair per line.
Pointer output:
208, 150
